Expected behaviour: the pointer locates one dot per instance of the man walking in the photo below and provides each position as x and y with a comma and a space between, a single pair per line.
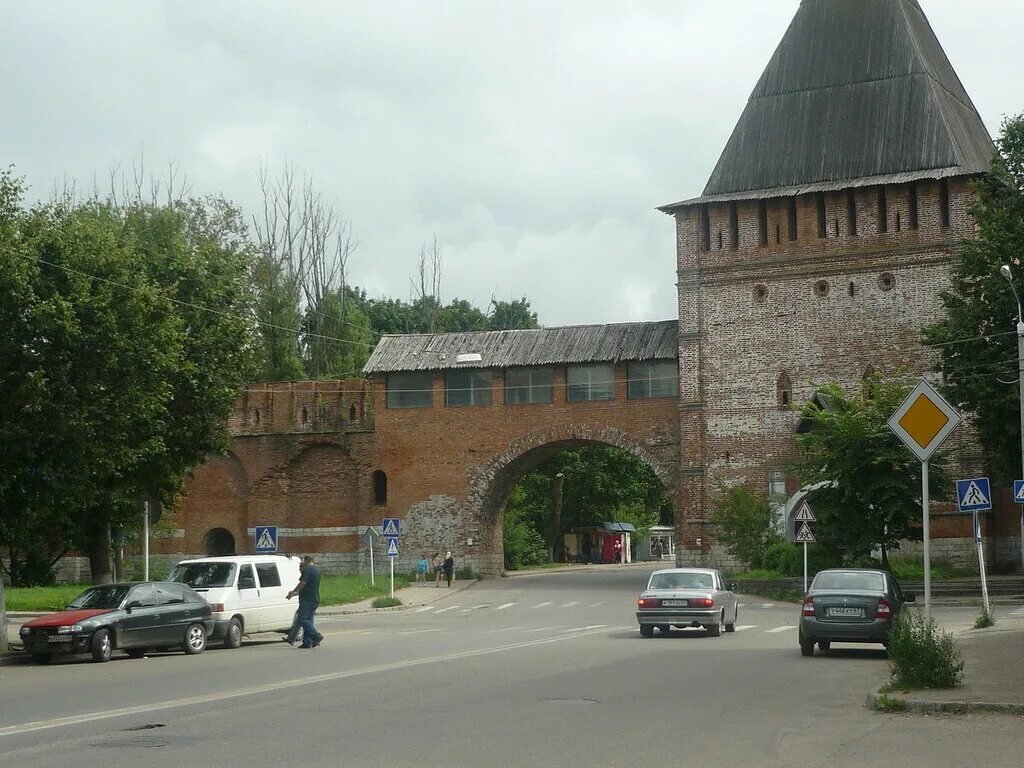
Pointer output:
308, 590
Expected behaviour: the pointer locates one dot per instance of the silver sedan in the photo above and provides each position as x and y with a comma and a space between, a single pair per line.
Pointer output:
687, 597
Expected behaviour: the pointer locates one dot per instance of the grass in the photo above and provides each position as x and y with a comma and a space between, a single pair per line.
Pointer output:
334, 590
888, 704
757, 573
912, 569
921, 655
777, 594
984, 620
385, 602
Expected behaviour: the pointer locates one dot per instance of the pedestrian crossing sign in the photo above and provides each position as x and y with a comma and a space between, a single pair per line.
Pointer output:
392, 547
389, 527
973, 495
266, 538
804, 535
1018, 491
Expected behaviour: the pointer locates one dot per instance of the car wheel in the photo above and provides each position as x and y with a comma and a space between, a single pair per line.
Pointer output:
233, 639
42, 658
101, 646
806, 646
195, 639
713, 630
824, 645
136, 653
665, 628
646, 630
731, 626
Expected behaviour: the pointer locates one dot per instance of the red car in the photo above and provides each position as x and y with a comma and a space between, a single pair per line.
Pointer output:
152, 615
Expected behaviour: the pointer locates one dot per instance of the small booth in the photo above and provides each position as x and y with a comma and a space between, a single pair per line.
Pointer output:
660, 544
600, 543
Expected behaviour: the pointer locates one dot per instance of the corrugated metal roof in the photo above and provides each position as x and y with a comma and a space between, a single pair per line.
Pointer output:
855, 90
539, 346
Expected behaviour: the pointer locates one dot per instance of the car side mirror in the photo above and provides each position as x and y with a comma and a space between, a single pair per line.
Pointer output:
910, 598
732, 586
132, 604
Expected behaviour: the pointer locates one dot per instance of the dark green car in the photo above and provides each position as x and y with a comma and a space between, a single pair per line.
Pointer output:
849, 605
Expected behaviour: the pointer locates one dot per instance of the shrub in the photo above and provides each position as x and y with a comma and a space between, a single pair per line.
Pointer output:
985, 620
523, 544
922, 655
385, 602
744, 523
786, 559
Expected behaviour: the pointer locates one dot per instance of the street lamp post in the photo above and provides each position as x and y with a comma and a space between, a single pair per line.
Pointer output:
1005, 272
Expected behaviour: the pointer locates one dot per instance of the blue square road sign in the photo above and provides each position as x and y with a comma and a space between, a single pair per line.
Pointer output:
389, 527
973, 495
266, 538
1018, 491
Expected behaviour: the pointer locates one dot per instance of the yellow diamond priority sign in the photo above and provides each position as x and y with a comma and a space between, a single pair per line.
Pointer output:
924, 420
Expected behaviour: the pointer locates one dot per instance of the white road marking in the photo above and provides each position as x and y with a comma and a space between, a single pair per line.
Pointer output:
476, 608
570, 605
767, 605
239, 693
449, 608
741, 627
542, 629
741, 605
783, 628
419, 631
598, 603
505, 629
503, 607
425, 608
541, 605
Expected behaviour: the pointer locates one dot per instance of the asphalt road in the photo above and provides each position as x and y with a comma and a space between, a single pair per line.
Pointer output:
544, 670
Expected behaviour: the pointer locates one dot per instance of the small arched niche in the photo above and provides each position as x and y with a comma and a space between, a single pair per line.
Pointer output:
380, 488
784, 392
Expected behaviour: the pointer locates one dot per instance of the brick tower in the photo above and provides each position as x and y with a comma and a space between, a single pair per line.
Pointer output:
822, 240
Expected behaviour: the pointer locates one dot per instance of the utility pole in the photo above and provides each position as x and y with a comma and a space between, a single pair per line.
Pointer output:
1004, 271
559, 480
3, 616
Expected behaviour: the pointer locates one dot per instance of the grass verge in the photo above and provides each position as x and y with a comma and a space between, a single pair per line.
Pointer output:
385, 602
777, 594
334, 590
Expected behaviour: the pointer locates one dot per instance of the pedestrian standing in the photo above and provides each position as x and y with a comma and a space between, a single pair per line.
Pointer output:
449, 567
421, 568
618, 550
438, 568
308, 590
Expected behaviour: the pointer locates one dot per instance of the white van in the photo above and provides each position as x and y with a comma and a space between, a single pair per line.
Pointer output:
247, 592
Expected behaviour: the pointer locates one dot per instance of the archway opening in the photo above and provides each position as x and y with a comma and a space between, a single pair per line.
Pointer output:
582, 502
219, 542
380, 488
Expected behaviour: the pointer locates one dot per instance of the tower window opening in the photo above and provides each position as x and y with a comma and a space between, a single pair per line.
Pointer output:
792, 218
883, 211
705, 230
820, 199
734, 226
944, 203
912, 206
762, 222
851, 213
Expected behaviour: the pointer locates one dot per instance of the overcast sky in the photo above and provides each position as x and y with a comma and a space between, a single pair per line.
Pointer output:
534, 139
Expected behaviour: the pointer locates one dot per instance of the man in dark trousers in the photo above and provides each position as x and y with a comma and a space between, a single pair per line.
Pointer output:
308, 590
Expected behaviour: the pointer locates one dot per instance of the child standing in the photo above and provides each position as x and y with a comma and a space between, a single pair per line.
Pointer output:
421, 568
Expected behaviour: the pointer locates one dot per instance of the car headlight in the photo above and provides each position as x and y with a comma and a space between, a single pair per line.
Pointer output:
26, 631
68, 629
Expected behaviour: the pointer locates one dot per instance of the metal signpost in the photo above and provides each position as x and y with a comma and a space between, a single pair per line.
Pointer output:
804, 534
923, 421
975, 495
369, 536
1018, 496
151, 512
390, 528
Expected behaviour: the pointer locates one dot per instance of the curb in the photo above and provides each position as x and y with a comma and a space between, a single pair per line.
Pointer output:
342, 611
570, 568
920, 706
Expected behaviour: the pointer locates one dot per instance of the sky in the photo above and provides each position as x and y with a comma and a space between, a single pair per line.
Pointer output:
532, 139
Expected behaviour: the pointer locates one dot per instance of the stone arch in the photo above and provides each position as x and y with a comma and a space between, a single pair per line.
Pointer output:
217, 496
491, 482
219, 542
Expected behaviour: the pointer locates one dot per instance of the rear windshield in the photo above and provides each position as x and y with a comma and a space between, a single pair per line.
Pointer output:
866, 582
681, 581
204, 575
101, 597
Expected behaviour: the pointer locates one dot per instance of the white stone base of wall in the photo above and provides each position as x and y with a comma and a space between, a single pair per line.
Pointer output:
999, 551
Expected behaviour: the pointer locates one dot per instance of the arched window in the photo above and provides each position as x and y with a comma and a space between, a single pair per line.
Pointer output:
219, 542
380, 488
785, 392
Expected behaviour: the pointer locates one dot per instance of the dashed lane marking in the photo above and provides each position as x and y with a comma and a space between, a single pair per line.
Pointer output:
597, 604
542, 629
418, 631
767, 605
741, 627
503, 607
476, 607
449, 608
541, 605
570, 605
783, 628
504, 629
425, 608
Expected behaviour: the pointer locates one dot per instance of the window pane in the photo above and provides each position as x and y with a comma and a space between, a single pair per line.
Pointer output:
529, 385
467, 387
268, 574
652, 378
590, 382
410, 390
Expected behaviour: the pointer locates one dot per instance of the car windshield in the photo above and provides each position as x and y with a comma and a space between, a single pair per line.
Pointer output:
681, 581
110, 596
850, 580
204, 575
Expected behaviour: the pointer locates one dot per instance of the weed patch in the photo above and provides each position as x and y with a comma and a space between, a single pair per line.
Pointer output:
385, 602
921, 655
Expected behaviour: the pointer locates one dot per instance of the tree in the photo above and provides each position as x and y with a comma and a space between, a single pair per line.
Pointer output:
744, 523
506, 315
976, 339
871, 482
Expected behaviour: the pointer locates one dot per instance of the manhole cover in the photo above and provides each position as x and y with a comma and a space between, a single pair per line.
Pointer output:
570, 701
130, 744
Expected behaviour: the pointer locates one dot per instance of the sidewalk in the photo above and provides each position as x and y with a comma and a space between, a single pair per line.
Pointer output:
993, 674
587, 567
413, 596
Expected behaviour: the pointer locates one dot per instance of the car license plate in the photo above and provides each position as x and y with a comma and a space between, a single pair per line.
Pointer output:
59, 639
846, 612
674, 603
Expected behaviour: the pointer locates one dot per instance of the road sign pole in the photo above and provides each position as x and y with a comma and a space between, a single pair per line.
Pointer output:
1020, 390
805, 567
981, 563
145, 541
391, 561
371, 561
926, 531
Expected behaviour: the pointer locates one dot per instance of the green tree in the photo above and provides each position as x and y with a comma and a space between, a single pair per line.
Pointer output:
744, 523
977, 343
872, 482
506, 315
